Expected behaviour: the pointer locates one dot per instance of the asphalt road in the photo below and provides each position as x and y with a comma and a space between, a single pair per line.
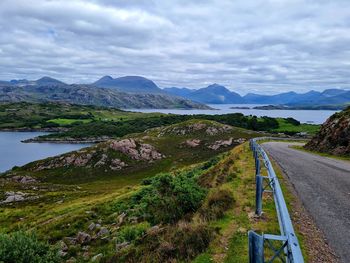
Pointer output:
323, 185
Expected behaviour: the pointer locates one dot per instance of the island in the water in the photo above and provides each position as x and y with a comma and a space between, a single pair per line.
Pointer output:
305, 107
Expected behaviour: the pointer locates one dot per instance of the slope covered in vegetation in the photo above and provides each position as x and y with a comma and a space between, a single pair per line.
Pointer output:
334, 135
176, 193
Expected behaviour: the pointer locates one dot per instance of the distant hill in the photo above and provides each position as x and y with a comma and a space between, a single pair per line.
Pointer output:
282, 98
329, 97
129, 84
48, 89
217, 94
334, 136
213, 94
48, 81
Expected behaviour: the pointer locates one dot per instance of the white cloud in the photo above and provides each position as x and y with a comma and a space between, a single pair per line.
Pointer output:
262, 45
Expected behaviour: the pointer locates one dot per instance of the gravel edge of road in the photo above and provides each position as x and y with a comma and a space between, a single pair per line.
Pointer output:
315, 244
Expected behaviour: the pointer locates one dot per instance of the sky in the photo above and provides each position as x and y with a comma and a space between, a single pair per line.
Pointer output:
264, 46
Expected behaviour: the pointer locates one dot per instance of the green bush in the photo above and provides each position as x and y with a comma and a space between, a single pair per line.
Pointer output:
20, 247
168, 198
292, 121
217, 203
181, 242
131, 233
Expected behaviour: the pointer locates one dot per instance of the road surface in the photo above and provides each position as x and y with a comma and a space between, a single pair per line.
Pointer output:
323, 185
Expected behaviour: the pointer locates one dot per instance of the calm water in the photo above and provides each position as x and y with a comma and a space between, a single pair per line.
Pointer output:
304, 116
14, 152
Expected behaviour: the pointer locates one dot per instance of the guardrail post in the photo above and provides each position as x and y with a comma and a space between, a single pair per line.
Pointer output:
257, 165
256, 247
258, 194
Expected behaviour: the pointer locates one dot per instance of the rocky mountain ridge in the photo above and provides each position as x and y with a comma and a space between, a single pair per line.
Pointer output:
51, 90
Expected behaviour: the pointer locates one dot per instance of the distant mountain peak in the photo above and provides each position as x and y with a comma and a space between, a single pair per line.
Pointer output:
48, 80
133, 84
107, 77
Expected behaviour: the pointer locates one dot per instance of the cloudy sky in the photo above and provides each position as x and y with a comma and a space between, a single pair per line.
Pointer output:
264, 46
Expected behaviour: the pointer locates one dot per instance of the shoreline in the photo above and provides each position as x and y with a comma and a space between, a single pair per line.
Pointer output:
65, 140
60, 129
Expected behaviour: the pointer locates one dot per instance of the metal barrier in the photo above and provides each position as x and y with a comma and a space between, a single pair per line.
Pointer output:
288, 249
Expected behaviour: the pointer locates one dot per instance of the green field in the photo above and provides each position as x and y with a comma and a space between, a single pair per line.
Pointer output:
285, 126
64, 122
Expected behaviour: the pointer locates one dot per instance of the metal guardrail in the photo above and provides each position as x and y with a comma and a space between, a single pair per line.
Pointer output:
288, 249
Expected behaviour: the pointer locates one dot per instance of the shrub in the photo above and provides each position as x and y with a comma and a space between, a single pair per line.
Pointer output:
292, 121
217, 203
20, 247
131, 233
190, 240
183, 242
168, 198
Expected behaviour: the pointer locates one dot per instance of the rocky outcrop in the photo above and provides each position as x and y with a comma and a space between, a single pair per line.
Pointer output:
12, 197
210, 129
225, 143
334, 135
216, 145
192, 143
25, 179
100, 156
129, 147
117, 164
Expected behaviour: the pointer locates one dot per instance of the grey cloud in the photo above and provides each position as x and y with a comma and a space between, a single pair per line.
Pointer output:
248, 45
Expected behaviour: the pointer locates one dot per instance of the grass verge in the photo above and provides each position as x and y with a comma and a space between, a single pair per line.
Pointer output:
231, 245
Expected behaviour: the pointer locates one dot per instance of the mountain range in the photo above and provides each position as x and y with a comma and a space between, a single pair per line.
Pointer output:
217, 94
140, 92
49, 89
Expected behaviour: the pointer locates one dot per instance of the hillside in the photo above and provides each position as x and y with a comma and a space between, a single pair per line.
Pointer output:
334, 135
50, 90
104, 199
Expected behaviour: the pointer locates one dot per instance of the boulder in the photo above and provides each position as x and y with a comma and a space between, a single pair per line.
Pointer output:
217, 144
97, 258
120, 218
120, 246
92, 226
62, 246
14, 197
25, 179
103, 232
102, 161
70, 240
83, 238
117, 164
193, 143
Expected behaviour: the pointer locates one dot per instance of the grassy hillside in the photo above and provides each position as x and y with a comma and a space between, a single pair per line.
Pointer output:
182, 192
53, 115
64, 195
290, 126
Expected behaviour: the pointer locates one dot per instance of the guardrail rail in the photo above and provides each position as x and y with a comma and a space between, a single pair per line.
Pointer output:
288, 249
